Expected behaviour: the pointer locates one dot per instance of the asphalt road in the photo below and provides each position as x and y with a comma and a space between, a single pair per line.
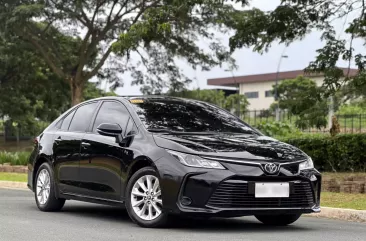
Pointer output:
21, 220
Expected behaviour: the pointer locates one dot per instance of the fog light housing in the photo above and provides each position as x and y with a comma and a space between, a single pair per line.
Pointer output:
186, 201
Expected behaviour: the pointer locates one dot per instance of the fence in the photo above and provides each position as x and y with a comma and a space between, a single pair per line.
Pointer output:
11, 133
352, 123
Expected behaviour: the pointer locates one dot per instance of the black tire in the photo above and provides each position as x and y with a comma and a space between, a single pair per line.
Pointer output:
278, 220
160, 221
52, 203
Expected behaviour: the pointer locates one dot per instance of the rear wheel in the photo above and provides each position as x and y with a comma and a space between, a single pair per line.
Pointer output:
278, 220
143, 199
45, 190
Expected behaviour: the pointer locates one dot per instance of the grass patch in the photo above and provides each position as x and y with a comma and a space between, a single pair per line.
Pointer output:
342, 175
343, 200
14, 177
14, 158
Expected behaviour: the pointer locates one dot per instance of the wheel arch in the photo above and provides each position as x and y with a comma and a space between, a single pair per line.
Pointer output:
39, 161
139, 163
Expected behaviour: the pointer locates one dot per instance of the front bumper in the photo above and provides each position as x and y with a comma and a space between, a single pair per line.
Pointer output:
230, 192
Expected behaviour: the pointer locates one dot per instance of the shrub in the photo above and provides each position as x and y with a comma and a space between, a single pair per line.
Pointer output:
351, 109
276, 128
14, 158
344, 152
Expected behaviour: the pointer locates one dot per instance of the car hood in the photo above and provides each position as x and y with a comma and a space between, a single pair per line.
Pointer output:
248, 147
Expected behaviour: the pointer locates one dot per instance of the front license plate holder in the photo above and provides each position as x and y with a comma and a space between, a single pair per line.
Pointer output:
272, 190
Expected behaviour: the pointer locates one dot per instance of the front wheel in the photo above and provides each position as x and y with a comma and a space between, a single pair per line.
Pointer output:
45, 190
278, 220
143, 199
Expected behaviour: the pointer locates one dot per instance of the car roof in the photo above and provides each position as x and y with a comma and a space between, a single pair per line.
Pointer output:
130, 97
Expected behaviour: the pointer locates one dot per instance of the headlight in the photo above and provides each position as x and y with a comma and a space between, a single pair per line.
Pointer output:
195, 161
308, 164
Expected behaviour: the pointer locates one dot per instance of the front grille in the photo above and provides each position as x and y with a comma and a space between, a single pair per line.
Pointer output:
234, 194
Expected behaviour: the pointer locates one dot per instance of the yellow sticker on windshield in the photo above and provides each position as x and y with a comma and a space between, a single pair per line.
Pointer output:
136, 101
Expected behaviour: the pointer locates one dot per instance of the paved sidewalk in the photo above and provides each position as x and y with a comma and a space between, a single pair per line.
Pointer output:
13, 185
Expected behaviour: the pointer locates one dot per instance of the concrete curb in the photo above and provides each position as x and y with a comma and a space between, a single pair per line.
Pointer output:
13, 185
341, 214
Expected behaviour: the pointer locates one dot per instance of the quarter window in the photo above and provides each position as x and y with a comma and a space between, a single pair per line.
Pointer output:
82, 117
251, 95
114, 113
66, 122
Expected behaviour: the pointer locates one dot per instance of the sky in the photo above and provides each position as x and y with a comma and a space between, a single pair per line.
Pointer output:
299, 53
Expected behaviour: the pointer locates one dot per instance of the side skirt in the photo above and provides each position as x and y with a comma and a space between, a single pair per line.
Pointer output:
89, 199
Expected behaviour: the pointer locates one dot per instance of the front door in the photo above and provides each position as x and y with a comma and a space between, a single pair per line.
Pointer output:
103, 164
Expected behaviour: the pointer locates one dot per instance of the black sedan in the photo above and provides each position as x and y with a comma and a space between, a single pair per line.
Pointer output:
163, 156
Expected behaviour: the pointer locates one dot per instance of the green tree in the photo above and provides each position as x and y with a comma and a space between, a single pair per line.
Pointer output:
292, 20
300, 97
156, 31
93, 91
30, 93
234, 100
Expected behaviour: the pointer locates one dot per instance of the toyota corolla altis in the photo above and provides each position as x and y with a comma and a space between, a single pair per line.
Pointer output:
161, 156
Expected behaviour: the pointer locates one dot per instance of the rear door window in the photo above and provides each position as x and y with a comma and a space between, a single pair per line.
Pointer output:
82, 117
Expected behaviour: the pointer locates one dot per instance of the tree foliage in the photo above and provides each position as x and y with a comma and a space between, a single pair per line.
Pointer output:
154, 33
235, 102
30, 93
301, 97
292, 20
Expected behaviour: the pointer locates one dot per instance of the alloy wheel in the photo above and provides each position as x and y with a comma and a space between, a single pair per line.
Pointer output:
146, 198
43, 186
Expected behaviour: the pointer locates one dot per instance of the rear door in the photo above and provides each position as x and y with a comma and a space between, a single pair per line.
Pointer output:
66, 147
104, 162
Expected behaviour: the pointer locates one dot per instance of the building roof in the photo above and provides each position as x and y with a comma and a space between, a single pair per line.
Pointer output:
230, 81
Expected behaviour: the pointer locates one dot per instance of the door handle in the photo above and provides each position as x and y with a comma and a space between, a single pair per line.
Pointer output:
85, 144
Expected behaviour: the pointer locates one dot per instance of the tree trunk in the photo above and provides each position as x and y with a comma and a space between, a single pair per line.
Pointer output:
77, 89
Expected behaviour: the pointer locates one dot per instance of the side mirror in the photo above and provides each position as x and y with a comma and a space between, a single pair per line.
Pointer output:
108, 129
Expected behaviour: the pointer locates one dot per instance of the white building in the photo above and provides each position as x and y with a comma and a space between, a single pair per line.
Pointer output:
258, 88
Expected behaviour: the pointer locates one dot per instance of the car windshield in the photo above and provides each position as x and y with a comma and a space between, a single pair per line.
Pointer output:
181, 115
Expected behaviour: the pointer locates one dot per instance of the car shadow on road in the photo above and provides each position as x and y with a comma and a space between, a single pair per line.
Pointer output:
107, 213
247, 224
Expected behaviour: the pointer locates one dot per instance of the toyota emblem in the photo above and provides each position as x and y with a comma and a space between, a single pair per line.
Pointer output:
271, 168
